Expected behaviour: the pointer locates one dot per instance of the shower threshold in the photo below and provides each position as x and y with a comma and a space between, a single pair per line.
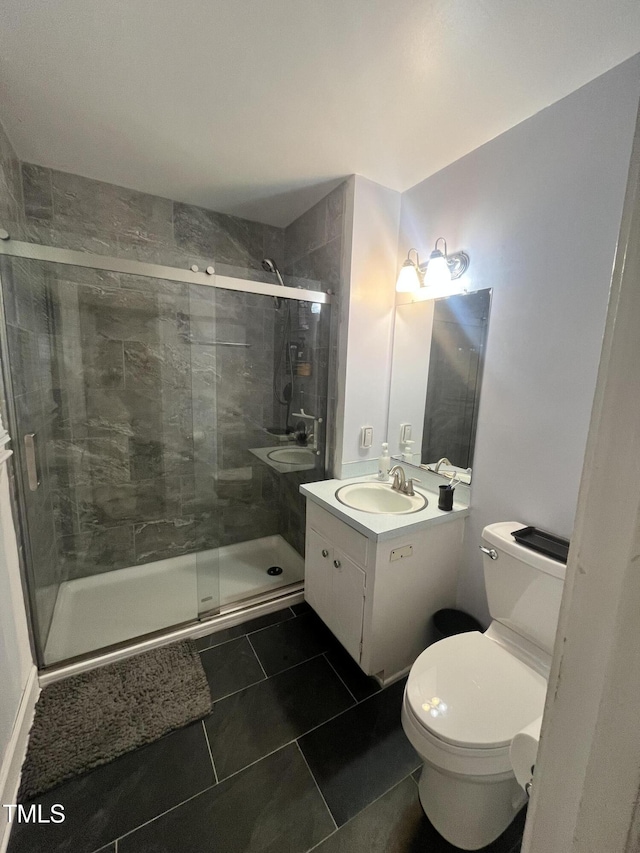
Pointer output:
110, 608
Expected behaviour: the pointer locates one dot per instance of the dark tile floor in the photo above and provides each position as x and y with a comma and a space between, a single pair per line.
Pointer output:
301, 752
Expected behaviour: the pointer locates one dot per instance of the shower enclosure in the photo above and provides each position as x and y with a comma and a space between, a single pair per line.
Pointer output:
163, 420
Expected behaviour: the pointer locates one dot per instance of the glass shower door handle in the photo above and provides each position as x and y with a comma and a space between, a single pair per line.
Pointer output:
32, 464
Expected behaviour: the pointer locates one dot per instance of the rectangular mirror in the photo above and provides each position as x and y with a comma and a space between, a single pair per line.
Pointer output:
436, 374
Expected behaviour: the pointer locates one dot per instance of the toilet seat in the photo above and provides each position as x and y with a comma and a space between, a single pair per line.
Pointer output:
484, 694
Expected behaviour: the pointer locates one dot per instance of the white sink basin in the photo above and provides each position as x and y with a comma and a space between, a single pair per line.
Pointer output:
292, 455
379, 498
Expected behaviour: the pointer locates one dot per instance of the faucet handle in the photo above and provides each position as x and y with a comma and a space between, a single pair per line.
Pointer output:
408, 488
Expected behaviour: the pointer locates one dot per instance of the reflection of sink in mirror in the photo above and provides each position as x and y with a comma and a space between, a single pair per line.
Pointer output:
292, 455
380, 498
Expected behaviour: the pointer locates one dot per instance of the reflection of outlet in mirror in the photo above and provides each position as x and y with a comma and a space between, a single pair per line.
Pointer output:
400, 553
366, 436
405, 433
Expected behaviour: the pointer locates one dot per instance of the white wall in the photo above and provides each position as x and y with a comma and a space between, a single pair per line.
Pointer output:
538, 210
366, 324
18, 682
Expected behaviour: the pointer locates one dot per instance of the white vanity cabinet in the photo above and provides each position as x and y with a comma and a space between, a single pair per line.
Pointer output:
377, 595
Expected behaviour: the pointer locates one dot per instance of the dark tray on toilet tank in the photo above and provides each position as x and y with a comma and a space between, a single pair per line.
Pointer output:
545, 543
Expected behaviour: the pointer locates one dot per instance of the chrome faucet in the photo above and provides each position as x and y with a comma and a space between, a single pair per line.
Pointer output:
400, 482
399, 478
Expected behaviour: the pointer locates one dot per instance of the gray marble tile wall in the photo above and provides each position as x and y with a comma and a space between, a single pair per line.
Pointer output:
153, 426
147, 449
73, 212
313, 248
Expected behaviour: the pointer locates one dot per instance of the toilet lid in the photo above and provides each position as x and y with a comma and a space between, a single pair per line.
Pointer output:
471, 692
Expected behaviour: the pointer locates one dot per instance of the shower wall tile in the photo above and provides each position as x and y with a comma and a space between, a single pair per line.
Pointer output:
98, 209
225, 239
335, 207
273, 246
248, 521
11, 206
306, 233
113, 505
173, 537
121, 315
101, 550
37, 192
84, 462
199, 492
151, 366
322, 264
147, 426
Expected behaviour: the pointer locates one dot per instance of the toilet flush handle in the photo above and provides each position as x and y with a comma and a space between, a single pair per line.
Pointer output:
490, 552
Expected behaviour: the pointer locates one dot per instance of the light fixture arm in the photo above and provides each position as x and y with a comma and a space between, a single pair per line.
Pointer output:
457, 262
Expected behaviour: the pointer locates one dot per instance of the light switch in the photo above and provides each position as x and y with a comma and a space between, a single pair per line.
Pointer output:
366, 437
405, 433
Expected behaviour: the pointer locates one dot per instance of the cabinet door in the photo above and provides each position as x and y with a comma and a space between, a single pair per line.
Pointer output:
317, 575
348, 583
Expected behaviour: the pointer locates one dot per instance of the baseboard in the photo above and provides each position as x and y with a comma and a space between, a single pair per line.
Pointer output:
16, 751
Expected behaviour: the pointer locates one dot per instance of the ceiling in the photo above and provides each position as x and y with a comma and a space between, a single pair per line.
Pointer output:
258, 107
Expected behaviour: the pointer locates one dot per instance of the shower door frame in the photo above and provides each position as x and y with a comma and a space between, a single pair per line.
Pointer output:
52, 254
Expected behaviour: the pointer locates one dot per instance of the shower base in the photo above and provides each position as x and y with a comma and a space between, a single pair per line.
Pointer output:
113, 607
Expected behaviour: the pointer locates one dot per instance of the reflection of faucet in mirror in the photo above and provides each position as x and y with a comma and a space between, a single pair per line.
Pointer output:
443, 461
307, 435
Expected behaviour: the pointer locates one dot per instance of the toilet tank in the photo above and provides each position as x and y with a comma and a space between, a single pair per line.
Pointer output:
524, 588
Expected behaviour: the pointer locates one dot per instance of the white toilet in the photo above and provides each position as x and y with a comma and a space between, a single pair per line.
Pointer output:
467, 696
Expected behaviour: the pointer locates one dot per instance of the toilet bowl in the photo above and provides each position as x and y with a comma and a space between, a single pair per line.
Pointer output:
467, 696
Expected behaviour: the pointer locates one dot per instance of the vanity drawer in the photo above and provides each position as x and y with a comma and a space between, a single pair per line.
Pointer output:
343, 537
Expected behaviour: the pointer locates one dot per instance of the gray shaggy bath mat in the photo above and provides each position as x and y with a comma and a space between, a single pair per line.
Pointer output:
89, 719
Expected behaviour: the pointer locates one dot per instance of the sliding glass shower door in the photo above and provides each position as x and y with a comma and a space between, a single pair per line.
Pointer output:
100, 364
259, 386
162, 429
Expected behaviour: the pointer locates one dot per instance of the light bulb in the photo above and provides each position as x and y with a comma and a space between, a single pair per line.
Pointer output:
438, 274
408, 280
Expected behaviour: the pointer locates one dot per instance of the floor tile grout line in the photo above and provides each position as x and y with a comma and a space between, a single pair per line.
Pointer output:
347, 822
309, 731
266, 678
165, 812
247, 634
213, 764
241, 770
340, 677
239, 690
257, 658
246, 767
277, 624
289, 742
315, 782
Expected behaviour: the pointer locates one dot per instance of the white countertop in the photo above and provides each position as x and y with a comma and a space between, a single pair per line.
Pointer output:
384, 525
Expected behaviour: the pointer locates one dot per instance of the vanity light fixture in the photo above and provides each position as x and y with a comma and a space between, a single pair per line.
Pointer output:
432, 279
443, 268
409, 279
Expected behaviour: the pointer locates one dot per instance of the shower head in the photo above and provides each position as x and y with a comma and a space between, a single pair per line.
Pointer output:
269, 265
